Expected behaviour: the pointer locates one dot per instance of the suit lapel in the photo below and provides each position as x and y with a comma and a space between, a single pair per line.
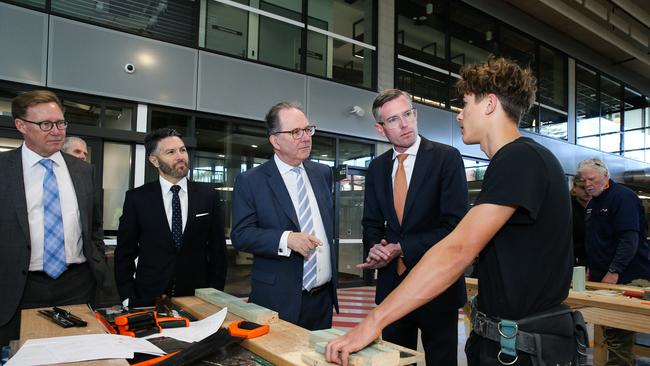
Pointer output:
279, 189
388, 186
423, 160
18, 185
158, 213
321, 192
80, 191
192, 206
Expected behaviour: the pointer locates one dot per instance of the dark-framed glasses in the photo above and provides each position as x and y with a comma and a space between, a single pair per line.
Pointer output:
297, 133
392, 121
48, 125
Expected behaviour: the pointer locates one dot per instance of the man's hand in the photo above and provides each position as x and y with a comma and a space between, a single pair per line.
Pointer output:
610, 278
302, 243
380, 255
363, 334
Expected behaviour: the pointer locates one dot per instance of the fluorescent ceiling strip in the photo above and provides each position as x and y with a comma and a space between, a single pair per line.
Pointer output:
420, 63
261, 12
340, 37
551, 108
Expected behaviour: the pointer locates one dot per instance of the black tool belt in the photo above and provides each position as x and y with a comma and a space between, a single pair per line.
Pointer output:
566, 349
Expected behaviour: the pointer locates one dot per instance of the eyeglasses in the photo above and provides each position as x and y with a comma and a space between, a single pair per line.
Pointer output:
297, 133
48, 125
393, 121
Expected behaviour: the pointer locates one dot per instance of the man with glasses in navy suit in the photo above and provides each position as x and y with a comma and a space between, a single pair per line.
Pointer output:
282, 214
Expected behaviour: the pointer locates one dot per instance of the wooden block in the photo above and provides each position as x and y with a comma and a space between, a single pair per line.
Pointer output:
248, 311
377, 353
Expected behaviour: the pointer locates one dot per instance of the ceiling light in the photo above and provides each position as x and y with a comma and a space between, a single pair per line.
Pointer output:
254, 146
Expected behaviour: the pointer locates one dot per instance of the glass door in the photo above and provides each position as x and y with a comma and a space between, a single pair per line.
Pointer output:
350, 191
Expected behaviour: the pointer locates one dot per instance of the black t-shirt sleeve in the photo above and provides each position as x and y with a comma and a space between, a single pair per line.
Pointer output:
515, 177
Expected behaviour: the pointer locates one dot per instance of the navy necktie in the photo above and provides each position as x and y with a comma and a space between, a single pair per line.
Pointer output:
177, 217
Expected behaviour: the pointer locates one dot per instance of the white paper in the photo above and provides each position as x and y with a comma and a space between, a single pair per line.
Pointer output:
197, 330
80, 348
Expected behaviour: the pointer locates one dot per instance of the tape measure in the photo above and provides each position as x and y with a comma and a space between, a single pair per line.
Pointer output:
245, 329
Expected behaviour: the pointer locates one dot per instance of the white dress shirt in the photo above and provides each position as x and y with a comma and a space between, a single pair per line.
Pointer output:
33, 173
409, 162
323, 265
166, 187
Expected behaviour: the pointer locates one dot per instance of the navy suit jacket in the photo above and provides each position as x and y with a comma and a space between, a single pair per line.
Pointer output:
262, 211
435, 203
144, 233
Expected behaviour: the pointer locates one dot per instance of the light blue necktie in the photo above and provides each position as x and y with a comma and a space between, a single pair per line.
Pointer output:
306, 226
54, 245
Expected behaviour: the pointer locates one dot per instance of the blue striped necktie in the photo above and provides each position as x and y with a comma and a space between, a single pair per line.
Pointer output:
53, 240
306, 226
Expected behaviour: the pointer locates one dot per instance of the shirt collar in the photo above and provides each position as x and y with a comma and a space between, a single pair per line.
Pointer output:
283, 167
413, 150
32, 158
166, 185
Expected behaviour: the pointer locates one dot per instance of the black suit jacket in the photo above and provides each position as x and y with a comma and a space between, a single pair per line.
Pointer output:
15, 250
262, 211
436, 201
144, 233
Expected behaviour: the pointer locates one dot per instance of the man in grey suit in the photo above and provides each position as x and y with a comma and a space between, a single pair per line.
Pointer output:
52, 251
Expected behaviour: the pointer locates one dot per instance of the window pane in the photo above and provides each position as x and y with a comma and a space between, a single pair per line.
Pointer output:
279, 42
226, 29
515, 46
634, 105
81, 112
552, 81
168, 20
119, 118
634, 140
421, 31
323, 150
160, 119
610, 142
587, 107
472, 32
40, 4
553, 123
636, 154
117, 161
425, 85
610, 105
225, 149
592, 142
353, 153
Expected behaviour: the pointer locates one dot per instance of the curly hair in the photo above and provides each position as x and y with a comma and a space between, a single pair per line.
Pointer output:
513, 85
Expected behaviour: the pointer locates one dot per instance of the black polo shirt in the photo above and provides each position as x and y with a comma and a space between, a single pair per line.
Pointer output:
526, 268
616, 210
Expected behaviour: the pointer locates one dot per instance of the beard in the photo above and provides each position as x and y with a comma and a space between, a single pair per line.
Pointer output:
172, 171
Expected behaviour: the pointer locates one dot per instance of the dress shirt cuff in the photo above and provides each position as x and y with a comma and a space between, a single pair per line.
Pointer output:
283, 248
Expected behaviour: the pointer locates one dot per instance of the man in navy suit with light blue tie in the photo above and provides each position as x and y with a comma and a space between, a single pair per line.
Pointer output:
282, 214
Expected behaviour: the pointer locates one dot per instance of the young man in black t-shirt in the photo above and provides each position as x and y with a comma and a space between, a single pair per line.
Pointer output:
519, 228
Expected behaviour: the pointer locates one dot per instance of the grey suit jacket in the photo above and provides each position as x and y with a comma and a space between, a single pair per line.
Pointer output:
15, 246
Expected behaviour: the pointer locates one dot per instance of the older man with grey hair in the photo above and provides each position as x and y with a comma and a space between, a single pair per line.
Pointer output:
76, 147
615, 240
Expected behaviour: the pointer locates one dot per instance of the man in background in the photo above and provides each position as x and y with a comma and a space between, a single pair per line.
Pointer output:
174, 227
76, 147
616, 244
416, 194
283, 215
52, 253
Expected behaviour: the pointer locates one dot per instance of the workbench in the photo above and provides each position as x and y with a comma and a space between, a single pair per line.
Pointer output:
616, 311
